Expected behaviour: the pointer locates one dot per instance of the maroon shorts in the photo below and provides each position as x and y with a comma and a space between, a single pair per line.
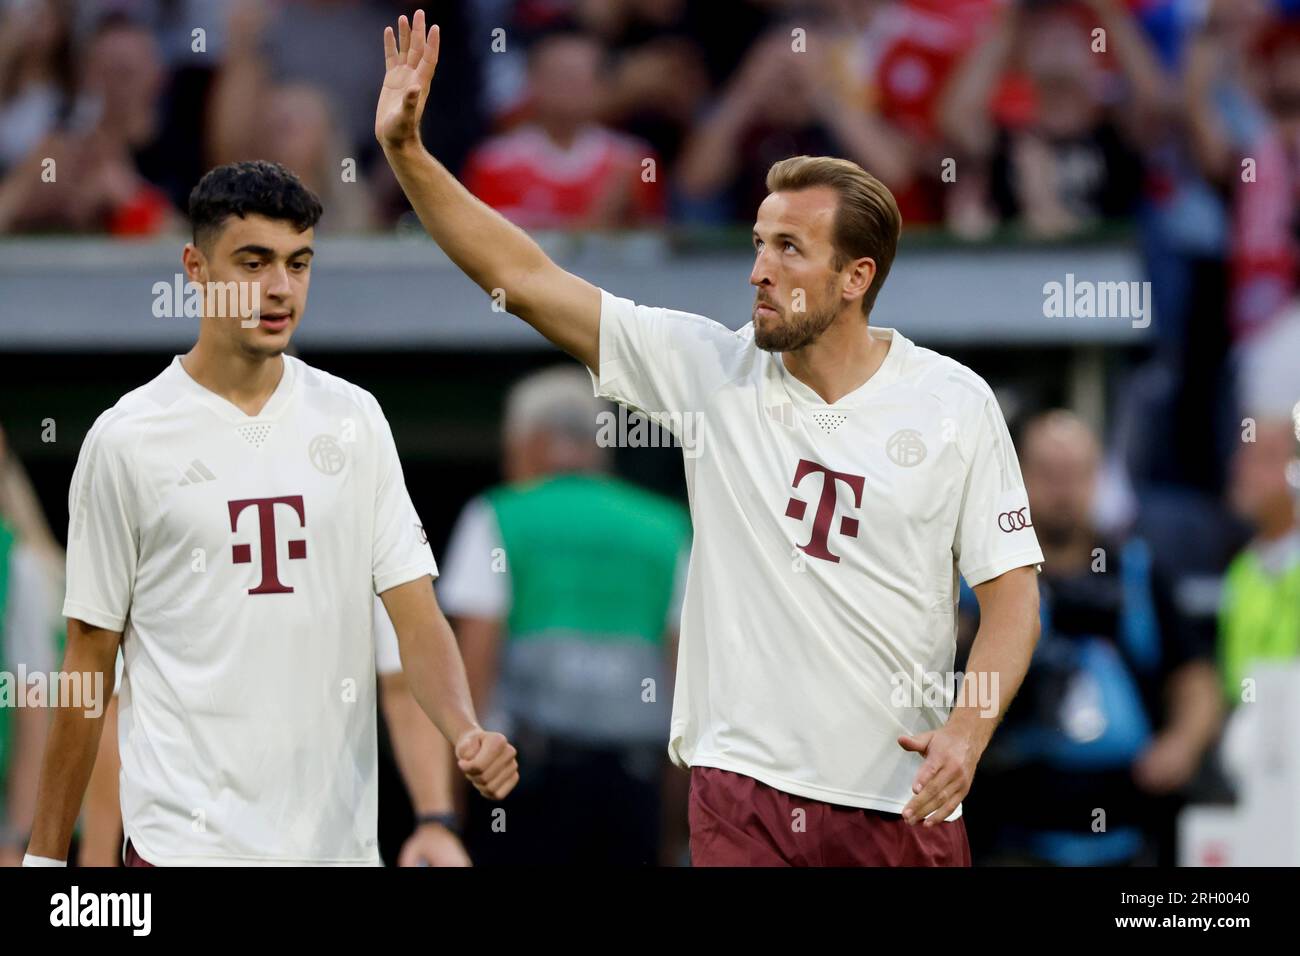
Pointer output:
738, 821
133, 858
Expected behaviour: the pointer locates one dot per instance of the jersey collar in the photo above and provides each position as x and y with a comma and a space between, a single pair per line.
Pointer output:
887, 373
276, 404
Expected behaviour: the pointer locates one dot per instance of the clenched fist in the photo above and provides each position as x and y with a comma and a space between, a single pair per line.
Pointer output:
488, 762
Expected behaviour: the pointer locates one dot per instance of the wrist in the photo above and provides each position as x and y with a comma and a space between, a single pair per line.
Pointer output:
463, 730
445, 819
404, 151
974, 725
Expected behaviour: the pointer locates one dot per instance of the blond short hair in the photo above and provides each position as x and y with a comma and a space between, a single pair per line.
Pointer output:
867, 221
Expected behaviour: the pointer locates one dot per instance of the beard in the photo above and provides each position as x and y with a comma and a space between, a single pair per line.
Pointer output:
792, 331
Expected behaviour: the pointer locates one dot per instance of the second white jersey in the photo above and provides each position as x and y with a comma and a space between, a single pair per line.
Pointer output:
819, 620
240, 557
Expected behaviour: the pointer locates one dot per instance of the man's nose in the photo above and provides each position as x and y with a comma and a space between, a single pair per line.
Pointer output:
276, 282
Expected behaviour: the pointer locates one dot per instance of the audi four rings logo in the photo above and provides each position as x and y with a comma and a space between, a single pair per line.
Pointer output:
1010, 521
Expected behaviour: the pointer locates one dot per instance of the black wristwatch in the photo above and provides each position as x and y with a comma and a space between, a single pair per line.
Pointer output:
447, 820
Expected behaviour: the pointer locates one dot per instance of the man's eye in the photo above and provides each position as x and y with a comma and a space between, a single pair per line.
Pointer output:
252, 264
790, 245
299, 266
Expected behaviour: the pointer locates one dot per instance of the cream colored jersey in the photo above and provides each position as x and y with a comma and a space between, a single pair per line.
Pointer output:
819, 621
240, 557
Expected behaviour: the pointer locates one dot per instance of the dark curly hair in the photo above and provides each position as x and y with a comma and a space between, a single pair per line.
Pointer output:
241, 189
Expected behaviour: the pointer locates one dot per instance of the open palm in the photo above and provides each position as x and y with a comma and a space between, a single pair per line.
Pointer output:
409, 59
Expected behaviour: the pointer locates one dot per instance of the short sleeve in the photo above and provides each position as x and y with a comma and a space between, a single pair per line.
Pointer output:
476, 578
388, 656
660, 361
103, 532
994, 528
400, 551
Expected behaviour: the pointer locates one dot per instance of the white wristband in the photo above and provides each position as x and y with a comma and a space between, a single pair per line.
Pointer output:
29, 860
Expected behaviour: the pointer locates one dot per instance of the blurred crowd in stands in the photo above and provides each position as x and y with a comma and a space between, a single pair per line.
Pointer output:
1028, 121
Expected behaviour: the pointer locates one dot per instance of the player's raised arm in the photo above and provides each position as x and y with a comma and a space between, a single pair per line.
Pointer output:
487, 247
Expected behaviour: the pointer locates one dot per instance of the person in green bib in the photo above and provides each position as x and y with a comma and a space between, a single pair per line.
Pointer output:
1259, 617
27, 646
564, 586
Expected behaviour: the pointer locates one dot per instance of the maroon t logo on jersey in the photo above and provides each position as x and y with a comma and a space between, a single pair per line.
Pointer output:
243, 554
817, 544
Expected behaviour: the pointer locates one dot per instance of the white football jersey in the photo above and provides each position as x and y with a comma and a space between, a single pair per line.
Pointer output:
819, 622
240, 557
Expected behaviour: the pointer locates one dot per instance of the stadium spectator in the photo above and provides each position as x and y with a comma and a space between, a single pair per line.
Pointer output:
83, 176
904, 54
1028, 108
1260, 614
1241, 86
1120, 703
36, 77
659, 72
562, 586
292, 123
785, 99
562, 168
28, 640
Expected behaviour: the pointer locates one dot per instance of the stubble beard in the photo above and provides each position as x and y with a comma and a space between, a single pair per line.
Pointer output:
793, 330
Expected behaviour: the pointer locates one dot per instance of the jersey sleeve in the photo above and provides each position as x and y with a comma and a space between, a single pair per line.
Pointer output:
103, 531
662, 362
994, 528
476, 582
400, 550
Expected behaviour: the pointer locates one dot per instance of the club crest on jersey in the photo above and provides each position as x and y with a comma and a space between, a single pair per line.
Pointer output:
818, 545
266, 544
326, 454
905, 448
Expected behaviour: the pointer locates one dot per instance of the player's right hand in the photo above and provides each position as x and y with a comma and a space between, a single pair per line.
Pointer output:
409, 60
488, 762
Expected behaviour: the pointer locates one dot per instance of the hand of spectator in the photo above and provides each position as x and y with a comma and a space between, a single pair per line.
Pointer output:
765, 69
813, 74
247, 23
410, 59
1167, 765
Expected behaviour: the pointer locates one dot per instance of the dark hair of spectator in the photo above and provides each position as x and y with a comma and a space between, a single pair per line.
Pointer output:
252, 188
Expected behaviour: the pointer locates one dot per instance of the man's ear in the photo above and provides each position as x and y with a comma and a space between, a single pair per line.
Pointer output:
861, 274
195, 263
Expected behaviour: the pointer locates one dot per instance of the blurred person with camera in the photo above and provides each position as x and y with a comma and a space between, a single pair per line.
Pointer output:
1120, 703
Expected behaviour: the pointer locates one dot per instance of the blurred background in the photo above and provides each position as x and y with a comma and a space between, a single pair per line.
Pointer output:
1032, 145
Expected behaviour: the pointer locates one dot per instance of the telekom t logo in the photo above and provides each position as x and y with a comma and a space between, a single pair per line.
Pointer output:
243, 553
817, 544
